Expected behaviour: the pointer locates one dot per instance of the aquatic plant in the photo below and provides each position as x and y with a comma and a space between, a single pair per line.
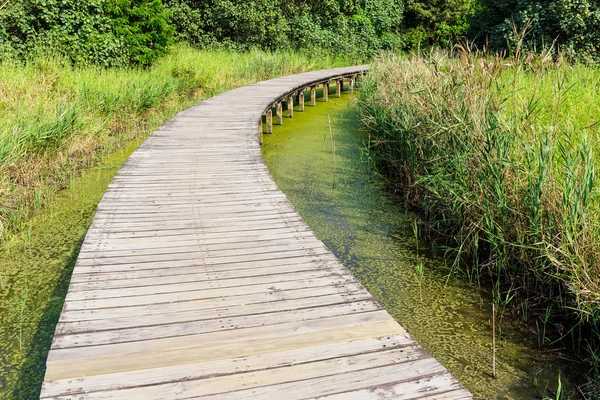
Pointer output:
19, 305
499, 157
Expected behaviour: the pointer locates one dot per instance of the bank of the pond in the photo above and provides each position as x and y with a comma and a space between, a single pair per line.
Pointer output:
59, 119
337, 197
36, 270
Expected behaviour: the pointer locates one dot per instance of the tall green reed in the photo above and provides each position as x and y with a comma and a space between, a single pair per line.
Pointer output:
497, 155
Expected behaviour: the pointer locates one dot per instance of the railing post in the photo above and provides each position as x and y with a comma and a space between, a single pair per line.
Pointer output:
313, 96
279, 113
290, 106
269, 119
301, 100
326, 91
339, 83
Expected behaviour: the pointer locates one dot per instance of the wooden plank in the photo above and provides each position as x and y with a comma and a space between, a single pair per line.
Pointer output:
200, 252
189, 295
274, 258
306, 241
442, 387
186, 267
200, 326
408, 373
114, 281
147, 320
350, 291
194, 238
187, 285
147, 377
257, 379
97, 360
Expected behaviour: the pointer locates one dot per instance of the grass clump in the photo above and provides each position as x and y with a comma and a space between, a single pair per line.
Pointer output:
500, 157
58, 119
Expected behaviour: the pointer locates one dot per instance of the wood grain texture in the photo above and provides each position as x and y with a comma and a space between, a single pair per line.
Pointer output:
198, 279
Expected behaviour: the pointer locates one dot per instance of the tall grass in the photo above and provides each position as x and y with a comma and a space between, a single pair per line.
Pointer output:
58, 119
500, 155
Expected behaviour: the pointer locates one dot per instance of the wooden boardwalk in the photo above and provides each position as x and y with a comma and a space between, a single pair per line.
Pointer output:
198, 279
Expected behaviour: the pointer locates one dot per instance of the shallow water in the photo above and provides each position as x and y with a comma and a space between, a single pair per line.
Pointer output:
343, 204
35, 271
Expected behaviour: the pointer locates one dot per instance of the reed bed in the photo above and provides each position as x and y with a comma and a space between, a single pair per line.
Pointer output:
58, 119
499, 156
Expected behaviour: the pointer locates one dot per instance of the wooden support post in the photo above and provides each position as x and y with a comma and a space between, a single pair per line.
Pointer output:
260, 131
290, 106
326, 91
269, 119
338, 87
313, 96
279, 113
351, 84
301, 100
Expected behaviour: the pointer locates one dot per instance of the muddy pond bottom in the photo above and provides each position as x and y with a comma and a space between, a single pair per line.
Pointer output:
316, 160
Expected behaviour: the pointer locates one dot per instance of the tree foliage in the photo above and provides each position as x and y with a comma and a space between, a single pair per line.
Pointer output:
351, 26
101, 32
438, 21
572, 26
123, 32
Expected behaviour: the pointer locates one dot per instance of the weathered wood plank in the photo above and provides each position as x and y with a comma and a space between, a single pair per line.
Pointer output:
97, 360
349, 291
148, 320
232, 366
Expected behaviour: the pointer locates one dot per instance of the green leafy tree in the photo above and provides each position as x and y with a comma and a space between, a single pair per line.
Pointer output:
144, 26
362, 27
101, 32
438, 21
572, 26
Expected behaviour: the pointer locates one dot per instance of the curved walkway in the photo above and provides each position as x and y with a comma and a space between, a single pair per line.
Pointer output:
198, 279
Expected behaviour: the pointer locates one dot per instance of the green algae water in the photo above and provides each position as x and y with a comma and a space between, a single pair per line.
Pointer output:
315, 159
35, 272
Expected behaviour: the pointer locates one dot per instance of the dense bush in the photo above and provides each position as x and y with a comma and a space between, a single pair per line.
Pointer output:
572, 25
122, 32
101, 32
439, 21
355, 26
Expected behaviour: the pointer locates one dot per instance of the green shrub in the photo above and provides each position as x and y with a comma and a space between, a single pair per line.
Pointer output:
352, 27
572, 25
98, 32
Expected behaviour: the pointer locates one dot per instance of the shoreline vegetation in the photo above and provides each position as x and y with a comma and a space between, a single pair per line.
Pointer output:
60, 119
498, 156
